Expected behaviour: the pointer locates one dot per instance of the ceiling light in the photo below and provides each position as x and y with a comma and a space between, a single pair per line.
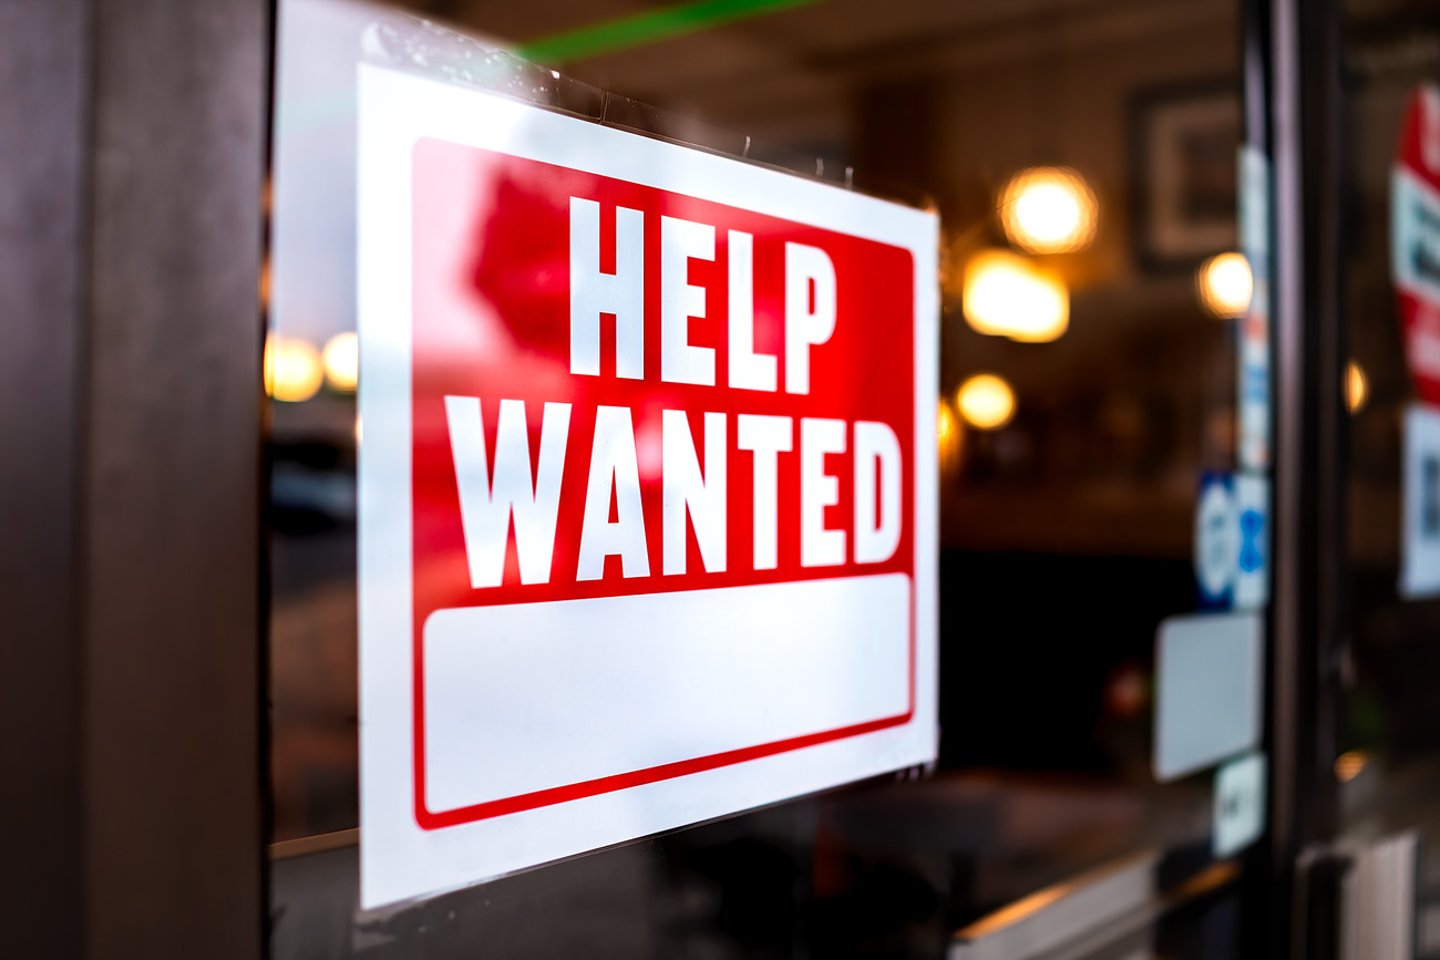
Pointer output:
1049, 210
292, 369
1007, 295
985, 401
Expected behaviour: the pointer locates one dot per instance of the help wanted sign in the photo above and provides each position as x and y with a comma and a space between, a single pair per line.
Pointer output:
647, 484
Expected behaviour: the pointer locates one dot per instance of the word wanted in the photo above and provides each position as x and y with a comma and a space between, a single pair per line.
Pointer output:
510, 483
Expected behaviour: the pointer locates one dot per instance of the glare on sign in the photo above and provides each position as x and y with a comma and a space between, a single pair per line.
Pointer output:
1049, 210
342, 361
985, 401
292, 369
1225, 284
1007, 295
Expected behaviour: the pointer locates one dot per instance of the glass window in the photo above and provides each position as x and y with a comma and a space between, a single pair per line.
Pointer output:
1386, 730
1083, 162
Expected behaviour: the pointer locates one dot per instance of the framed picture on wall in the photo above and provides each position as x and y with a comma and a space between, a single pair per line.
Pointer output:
1185, 141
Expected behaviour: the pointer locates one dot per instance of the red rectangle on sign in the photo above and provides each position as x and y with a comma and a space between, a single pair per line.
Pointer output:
737, 409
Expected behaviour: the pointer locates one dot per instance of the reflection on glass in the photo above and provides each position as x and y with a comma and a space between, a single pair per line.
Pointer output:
1350, 765
1387, 717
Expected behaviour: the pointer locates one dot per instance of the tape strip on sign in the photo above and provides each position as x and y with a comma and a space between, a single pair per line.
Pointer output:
647, 488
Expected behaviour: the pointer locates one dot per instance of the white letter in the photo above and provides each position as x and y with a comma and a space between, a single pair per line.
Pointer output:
686, 491
767, 437
593, 293
486, 508
819, 547
748, 370
613, 466
680, 242
876, 537
804, 327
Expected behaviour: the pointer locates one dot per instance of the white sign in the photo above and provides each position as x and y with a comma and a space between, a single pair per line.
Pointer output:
647, 488
1239, 804
1420, 538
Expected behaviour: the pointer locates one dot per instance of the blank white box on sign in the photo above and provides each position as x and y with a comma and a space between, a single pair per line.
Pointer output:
528, 697
1209, 674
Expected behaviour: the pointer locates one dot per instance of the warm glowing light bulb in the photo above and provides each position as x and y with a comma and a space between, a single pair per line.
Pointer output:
342, 361
1357, 387
1225, 284
1350, 765
1049, 210
292, 369
985, 401
1007, 295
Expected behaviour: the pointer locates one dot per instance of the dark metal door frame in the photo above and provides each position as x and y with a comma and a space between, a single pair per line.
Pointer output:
133, 143
1292, 54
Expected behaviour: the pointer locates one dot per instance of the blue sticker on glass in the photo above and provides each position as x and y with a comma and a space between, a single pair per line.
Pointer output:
1232, 539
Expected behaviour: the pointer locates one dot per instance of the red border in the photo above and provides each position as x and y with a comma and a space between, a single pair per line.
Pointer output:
430, 820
